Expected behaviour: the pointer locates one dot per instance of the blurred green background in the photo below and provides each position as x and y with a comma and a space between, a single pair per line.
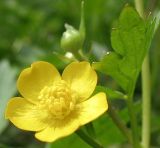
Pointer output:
31, 30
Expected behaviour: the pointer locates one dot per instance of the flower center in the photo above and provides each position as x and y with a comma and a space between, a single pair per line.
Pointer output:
58, 99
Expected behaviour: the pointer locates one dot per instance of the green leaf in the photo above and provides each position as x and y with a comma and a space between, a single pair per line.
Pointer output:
7, 89
107, 132
130, 41
72, 141
111, 94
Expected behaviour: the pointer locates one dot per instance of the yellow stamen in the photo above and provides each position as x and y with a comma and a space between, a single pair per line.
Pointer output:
57, 99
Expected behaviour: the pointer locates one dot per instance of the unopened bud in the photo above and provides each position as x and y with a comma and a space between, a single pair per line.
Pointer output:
73, 39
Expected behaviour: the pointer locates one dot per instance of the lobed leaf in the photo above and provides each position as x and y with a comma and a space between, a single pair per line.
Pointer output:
130, 41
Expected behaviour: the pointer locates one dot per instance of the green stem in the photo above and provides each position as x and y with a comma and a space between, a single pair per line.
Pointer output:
132, 114
82, 22
146, 105
139, 7
146, 93
90, 130
88, 139
119, 123
131, 110
78, 56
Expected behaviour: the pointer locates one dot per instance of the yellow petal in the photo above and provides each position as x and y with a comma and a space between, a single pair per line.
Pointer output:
33, 79
25, 115
92, 108
58, 129
82, 78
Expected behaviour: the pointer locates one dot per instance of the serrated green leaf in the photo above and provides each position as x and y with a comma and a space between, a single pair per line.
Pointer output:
7, 89
130, 41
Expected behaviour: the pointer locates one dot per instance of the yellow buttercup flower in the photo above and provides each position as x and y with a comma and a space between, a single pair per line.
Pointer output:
55, 106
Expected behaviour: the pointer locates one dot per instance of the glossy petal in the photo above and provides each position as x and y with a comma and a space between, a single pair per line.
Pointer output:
32, 80
58, 129
25, 115
92, 108
82, 78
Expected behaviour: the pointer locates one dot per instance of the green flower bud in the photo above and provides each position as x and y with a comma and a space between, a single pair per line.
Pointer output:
73, 39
